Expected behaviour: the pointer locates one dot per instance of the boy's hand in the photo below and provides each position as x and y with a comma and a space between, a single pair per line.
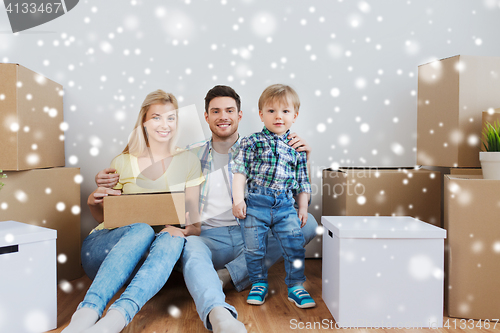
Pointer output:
240, 210
303, 217
107, 178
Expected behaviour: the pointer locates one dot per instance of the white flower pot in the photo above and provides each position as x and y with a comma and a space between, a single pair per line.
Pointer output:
490, 163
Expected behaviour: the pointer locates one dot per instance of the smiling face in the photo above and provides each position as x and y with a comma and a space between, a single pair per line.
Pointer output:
161, 122
223, 117
278, 117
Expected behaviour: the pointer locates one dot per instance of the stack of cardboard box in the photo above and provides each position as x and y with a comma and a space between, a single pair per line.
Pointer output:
382, 192
453, 97
38, 189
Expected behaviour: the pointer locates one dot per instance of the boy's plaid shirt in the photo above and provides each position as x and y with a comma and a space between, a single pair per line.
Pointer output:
267, 160
203, 150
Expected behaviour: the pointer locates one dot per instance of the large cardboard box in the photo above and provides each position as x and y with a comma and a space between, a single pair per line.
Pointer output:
383, 192
452, 94
383, 271
472, 210
28, 288
48, 198
150, 208
31, 114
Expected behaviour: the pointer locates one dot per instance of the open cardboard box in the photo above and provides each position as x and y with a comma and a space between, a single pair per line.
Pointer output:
383, 192
31, 114
452, 94
471, 218
151, 208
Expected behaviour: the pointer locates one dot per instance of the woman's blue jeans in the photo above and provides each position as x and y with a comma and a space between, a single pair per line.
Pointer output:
113, 257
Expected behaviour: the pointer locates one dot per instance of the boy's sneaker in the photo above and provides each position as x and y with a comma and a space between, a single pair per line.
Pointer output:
258, 293
300, 297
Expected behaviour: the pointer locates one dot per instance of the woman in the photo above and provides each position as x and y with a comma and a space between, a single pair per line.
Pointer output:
149, 163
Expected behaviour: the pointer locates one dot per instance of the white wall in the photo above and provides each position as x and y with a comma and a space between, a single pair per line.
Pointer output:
110, 54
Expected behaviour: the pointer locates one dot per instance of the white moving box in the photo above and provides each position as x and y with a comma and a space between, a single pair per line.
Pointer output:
28, 291
383, 271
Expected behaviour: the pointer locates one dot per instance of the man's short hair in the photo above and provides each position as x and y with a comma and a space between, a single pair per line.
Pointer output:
222, 91
280, 93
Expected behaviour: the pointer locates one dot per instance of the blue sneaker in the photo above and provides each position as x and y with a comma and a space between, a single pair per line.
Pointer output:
300, 297
258, 293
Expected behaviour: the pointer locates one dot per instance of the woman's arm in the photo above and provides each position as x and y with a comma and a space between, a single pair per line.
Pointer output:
193, 214
95, 201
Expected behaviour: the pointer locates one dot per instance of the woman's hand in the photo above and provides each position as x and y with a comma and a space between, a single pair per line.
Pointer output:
98, 195
95, 199
107, 178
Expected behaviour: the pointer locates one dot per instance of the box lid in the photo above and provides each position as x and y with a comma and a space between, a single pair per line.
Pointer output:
15, 233
380, 227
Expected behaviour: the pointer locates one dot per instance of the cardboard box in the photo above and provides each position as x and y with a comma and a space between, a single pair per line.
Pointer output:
383, 271
452, 94
466, 171
383, 192
150, 208
28, 292
471, 207
48, 198
31, 114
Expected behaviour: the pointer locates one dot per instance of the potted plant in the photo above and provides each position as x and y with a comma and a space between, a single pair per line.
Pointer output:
490, 158
2, 176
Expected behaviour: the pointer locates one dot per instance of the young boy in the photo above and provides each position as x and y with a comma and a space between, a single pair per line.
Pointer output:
274, 172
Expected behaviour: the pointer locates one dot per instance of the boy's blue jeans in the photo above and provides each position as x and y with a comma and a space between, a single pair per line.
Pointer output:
113, 257
272, 209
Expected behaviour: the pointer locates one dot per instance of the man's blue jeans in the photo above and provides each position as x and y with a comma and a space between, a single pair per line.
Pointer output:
269, 209
113, 257
218, 248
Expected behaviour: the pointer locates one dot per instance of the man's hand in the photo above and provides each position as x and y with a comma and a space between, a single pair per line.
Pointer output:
240, 210
107, 178
191, 228
299, 144
98, 196
303, 217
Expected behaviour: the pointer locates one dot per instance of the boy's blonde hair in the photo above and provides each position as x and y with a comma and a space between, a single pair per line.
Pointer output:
138, 141
280, 93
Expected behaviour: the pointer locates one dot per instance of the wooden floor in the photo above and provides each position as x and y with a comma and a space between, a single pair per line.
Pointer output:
173, 310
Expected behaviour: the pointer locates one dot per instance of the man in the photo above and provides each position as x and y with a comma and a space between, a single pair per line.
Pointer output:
215, 258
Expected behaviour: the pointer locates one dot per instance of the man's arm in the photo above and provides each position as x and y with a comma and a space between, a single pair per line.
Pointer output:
192, 204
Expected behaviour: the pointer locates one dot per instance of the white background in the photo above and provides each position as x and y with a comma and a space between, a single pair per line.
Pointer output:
353, 63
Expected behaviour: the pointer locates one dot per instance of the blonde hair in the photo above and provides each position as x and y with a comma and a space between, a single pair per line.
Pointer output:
280, 93
138, 140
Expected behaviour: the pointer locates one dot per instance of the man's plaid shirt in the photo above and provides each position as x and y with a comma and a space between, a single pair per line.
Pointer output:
267, 160
203, 150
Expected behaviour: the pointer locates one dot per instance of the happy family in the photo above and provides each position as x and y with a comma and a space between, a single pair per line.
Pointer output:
246, 202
